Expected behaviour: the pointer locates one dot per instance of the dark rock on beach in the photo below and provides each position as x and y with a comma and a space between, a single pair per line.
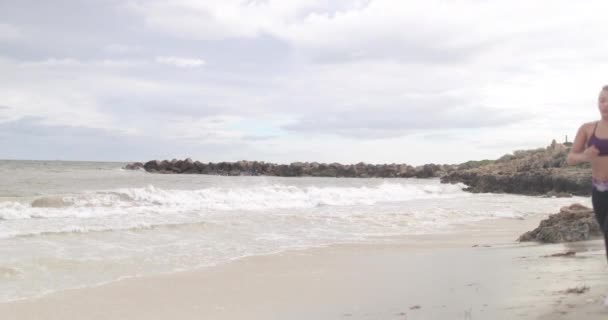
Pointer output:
540, 171
530, 172
573, 223
134, 166
295, 169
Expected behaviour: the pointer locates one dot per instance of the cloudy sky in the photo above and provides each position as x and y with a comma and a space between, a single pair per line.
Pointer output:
379, 81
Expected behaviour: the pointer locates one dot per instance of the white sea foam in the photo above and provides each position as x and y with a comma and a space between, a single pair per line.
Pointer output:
144, 208
385, 209
269, 197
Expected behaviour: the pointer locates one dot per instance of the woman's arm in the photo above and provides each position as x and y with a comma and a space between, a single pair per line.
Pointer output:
578, 153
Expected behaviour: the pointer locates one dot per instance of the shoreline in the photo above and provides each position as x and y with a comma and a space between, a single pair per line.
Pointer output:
477, 271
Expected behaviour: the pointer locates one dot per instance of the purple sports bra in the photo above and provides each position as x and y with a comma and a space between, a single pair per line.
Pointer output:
600, 144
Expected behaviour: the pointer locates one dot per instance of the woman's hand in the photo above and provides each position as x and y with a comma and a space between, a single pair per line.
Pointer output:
591, 152
578, 153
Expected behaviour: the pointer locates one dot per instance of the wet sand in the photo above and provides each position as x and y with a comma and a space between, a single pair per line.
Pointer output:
477, 271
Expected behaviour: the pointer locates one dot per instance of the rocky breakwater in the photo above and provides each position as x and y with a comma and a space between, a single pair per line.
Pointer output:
573, 223
295, 169
528, 172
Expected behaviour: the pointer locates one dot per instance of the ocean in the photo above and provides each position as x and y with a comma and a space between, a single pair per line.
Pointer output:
76, 224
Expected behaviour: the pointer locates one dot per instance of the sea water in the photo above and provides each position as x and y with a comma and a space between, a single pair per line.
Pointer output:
76, 224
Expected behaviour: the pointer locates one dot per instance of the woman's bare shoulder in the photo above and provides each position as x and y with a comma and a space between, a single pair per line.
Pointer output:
588, 125
587, 128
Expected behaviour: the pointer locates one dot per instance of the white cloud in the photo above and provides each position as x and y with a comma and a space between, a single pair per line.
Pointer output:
217, 129
219, 19
55, 93
117, 48
54, 106
9, 32
53, 62
393, 28
181, 62
67, 63
336, 73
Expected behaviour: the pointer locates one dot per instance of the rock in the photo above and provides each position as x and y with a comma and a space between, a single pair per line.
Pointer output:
553, 194
49, 202
298, 169
576, 290
186, 166
562, 254
541, 172
134, 166
573, 223
164, 165
530, 172
427, 171
152, 166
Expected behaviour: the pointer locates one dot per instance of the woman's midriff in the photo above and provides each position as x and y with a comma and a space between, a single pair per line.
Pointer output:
599, 170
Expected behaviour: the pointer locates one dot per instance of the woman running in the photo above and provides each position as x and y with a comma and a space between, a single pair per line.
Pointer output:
591, 145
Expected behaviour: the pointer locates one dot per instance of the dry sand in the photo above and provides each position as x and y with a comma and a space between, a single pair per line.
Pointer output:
477, 271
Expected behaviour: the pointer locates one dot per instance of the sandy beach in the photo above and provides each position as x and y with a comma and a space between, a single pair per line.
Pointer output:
476, 271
